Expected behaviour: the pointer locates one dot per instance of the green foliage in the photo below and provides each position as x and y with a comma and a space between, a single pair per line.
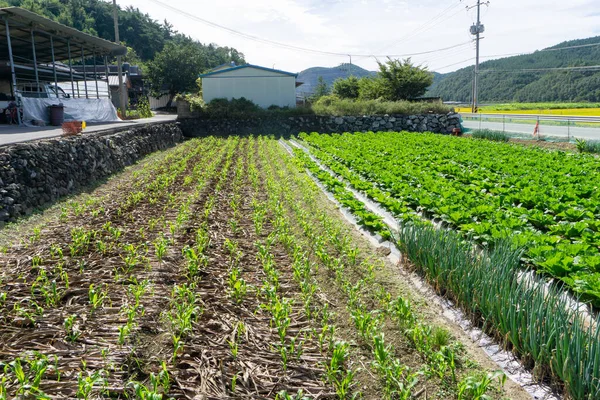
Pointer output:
483, 194
320, 90
488, 134
143, 108
235, 107
565, 86
370, 88
401, 80
332, 105
588, 146
171, 55
176, 68
346, 88
396, 80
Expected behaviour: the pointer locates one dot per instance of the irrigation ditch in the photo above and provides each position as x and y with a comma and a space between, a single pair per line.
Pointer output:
494, 347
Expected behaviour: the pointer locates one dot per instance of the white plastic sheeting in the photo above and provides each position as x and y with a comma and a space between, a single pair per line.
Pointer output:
88, 110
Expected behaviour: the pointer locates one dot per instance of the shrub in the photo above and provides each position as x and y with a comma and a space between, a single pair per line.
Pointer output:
489, 134
588, 146
143, 108
333, 105
346, 88
233, 107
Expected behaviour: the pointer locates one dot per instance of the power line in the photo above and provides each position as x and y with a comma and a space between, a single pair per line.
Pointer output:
583, 68
460, 62
543, 50
293, 47
426, 26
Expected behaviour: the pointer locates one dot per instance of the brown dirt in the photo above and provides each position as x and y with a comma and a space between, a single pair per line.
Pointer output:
564, 146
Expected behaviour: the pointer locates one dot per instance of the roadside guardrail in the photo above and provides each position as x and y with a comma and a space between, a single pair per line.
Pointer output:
536, 125
539, 117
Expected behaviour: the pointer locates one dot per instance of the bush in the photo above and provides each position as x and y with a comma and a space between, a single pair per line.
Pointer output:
588, 146
333, 105
143, 108
326, 105
233, 107
347, 88
489, 134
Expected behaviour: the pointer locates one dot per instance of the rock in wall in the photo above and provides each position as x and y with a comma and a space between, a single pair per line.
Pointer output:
285, 126
34, 174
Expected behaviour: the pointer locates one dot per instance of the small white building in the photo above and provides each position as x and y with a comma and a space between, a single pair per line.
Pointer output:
264, 86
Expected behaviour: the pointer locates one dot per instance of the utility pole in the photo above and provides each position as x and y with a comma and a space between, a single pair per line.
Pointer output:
477, 29
122, 89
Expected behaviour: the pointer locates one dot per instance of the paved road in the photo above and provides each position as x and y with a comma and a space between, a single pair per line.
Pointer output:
10, 134
545, 130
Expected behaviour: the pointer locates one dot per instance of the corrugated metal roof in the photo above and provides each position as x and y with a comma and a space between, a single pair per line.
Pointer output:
222, 71
43, 24
113, 80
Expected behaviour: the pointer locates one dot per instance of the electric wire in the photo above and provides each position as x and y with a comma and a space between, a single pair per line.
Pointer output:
293, 47
543, 50
582, 68
426, 26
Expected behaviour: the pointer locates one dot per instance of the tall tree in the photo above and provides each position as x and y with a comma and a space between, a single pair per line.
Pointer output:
175, 68
320, 90
402, 80
346, 88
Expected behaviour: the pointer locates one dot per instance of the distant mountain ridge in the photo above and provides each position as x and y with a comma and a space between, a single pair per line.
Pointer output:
528, 86
309, 77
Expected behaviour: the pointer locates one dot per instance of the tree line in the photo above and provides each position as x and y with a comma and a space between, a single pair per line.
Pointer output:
170, 60
505, 79
396, 80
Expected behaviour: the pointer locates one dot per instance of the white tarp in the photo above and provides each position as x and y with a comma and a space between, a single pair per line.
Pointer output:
88, 110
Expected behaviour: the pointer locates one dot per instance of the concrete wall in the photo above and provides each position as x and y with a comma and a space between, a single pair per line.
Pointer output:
265, 88
37, 173
285, 126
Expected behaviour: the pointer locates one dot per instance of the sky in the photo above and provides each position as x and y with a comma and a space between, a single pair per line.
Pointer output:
372, 29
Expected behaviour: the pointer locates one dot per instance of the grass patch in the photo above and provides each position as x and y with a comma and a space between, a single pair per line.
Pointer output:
331, 105
488, 134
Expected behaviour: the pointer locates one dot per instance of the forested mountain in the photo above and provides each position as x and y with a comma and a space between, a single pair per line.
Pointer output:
511, 84
137, 30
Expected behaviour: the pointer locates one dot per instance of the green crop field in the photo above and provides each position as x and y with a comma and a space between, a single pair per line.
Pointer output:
504, 209
544, 201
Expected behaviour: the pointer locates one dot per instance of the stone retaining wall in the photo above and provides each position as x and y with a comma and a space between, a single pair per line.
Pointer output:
37, 173
285, 126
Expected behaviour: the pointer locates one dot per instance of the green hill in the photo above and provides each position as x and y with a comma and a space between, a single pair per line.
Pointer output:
514, 85
137, 30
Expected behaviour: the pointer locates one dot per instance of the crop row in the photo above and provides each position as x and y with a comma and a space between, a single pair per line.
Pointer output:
442, 358
543, 201
533, 319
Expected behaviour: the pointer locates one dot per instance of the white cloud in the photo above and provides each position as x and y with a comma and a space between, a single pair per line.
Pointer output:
370, 26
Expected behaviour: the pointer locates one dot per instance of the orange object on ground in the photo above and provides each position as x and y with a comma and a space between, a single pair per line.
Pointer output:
72, 128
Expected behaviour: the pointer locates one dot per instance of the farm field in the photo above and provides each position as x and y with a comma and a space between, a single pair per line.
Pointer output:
500, 197
544, 201
567, 109
219, 269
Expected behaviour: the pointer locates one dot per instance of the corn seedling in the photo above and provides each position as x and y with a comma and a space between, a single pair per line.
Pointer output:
160, 247
237, 285
88, 381
475, 387
97, 296
72, 330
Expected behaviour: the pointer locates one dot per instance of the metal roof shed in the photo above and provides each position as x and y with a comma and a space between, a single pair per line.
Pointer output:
264, 86
32, 47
